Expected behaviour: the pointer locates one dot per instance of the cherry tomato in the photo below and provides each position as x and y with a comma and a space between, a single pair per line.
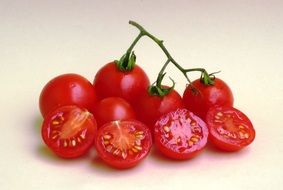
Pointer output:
123, 144
207, 96
180, 134
150, 108
110, 81
69, 131
111, 109
66, 89
229, 128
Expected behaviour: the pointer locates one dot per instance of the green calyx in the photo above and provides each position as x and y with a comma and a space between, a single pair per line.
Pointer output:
156, 89
126, 62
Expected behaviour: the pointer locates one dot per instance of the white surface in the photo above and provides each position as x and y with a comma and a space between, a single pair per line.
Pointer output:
42, 39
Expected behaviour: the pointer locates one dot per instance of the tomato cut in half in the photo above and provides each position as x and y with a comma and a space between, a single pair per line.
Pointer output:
229, 128
123, 144
180, 134
69, 131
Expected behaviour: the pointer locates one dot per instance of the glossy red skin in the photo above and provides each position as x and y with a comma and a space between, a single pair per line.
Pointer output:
239, 118
89, 129
150, 108
111, 109
66, 89
207, 96
109, 81
131, 160
182, 129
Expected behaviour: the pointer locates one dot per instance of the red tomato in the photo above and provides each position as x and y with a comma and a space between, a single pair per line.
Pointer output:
150, 108
111, 109
69, 131
207, 96
180, 134
123, 144
66, 89
229, 128
110, 81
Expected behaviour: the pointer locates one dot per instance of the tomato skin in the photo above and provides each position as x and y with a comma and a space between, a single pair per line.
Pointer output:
129, 135
69, 131
229, 128
207, 96
180, 134
109, 81
111, 109
150, 108
66, 89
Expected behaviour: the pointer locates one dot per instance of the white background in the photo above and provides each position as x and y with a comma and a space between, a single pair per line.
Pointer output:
42, 39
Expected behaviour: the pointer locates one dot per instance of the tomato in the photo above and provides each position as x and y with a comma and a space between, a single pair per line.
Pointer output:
180, 134
110, 81
229, 128
111, 109
207, 96
69, 131
123, 144
66, 89
150, 108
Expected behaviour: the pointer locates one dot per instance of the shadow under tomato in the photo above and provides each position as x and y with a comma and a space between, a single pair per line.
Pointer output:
216, 152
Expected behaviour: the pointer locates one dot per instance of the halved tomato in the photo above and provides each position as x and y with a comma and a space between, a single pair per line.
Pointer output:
229, 128
180, 134
69, 131
123, 144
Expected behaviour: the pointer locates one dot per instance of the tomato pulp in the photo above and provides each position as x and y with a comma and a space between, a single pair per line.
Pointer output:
180, 134
229, 128
123, 144
69, 131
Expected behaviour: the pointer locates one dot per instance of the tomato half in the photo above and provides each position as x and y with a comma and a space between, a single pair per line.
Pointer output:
229, 128
123, 144
150, 108
66, 89
207, 96
69, 131
111, 109
110, 81
180, 134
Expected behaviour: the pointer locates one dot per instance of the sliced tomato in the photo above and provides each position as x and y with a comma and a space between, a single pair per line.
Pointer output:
123, 144
229, 128
180, 134
69, 131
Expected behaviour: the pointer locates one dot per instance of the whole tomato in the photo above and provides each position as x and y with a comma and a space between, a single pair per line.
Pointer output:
112, 109
111, 81
66, 89
149, 108
201, 98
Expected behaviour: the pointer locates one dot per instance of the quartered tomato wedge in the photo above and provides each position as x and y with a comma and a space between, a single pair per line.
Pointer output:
180, 134
69, 131
229, 128
123, 144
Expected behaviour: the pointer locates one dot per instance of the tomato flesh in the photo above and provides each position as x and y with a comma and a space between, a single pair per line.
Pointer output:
229, 128
123, 144
69, 131
180, 134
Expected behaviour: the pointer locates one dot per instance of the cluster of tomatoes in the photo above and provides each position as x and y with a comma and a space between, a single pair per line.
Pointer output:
119, 117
